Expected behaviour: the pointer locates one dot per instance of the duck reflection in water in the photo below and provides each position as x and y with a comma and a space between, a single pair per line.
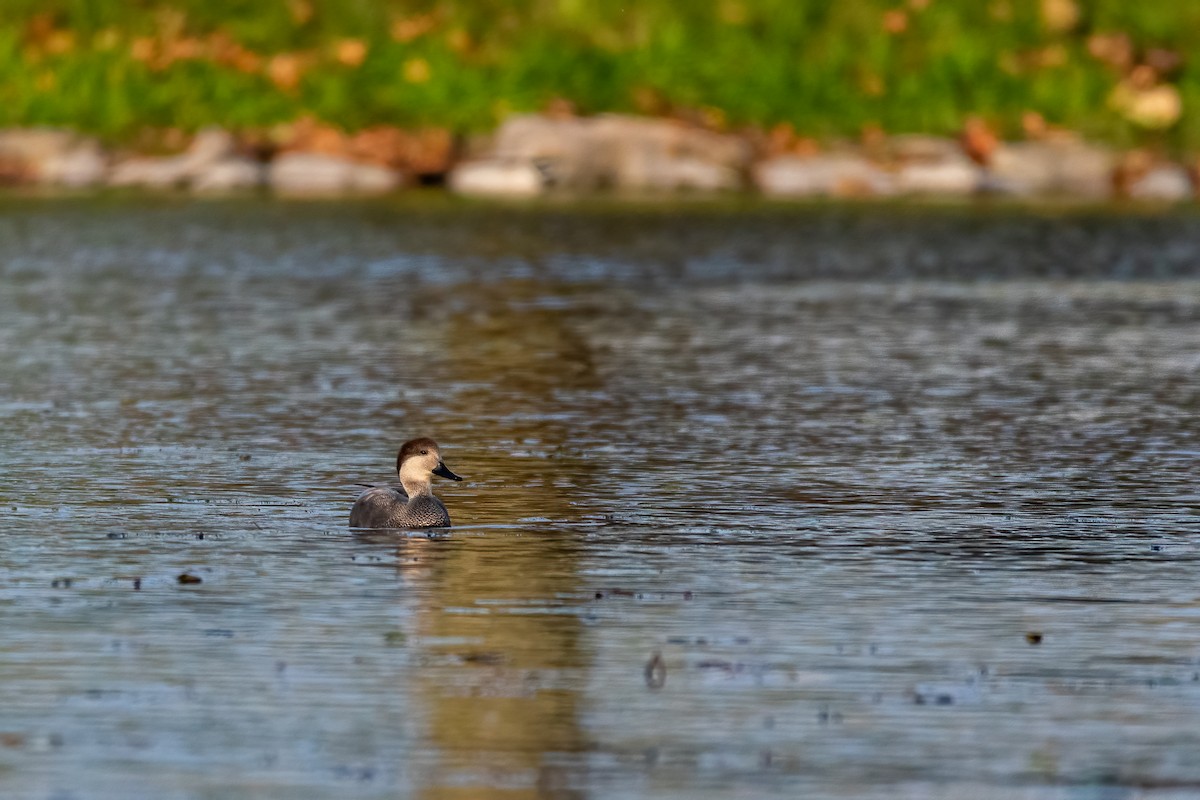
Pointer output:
412, 504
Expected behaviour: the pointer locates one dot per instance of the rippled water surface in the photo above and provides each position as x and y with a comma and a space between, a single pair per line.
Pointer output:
761, 501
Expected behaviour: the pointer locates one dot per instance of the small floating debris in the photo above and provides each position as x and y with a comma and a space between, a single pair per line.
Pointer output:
60, 583
825, 716
601, 594
701, 641
187, 578
656, 671
482, 658
361, 774
933, 699
1034, 637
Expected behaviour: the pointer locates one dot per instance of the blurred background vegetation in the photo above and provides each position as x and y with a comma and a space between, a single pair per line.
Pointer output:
1113, 70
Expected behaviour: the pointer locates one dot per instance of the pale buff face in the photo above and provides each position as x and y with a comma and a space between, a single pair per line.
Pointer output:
419, 467
419, 460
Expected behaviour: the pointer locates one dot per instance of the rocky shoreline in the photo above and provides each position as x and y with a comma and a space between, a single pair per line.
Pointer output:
533, 155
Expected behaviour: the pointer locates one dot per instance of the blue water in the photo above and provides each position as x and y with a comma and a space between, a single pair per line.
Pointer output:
759, 501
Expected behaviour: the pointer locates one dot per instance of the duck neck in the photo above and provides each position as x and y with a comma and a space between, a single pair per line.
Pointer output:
414, 488
416, 482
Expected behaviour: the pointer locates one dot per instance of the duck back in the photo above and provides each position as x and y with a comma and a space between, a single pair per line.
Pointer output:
390, 507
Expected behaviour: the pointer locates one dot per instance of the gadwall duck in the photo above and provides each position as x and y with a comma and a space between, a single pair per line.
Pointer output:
412, 504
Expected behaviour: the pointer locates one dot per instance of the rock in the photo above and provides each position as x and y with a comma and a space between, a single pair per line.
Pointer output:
33, 144
373, 179
680, 174
1052, 167
559, 148
317, 174
834, 174
497, 177
1167, 182
83, 165
50, 156
910, 147
209, 147
958, 177
153, 173
229, 175
933, 165
620, 152
662, 155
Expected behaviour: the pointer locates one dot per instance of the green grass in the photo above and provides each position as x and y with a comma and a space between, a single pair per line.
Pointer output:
828, 68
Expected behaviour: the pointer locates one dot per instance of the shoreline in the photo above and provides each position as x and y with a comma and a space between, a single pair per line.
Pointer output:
609, 155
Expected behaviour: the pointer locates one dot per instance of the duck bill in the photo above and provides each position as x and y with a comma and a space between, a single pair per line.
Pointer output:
442, 472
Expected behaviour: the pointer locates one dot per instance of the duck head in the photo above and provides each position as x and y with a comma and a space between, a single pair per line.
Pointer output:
417, 462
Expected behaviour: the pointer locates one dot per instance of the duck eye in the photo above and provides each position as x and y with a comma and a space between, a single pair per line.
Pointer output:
424, 452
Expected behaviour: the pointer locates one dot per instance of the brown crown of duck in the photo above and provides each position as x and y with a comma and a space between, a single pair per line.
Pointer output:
424, 447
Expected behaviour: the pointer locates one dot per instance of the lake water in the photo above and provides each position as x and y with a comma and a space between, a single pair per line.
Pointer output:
759, 501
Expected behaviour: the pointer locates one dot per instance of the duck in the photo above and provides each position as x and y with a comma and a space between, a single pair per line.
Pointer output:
412, 504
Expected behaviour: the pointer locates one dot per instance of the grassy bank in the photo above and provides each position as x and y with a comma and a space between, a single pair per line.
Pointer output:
828, 69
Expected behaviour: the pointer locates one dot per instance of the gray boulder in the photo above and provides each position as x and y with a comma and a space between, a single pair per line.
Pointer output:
1068, 167
825, 175
50, 156
229, 175
83, 165
497, 177
933, 165
319, 174
153, 173
209, 148
560, 149
1165, 183
956, 177
680, 174
640, 154
918, 147
616, 152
